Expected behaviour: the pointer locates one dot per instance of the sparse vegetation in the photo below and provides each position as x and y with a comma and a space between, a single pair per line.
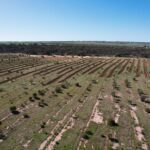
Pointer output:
65, 102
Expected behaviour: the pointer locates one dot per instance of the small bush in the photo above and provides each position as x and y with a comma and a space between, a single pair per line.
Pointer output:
95, 81
89, 132
114, 140
128, 83
113, 93
78, 85
70, 95
31, 99
36, 96
57, 143
87, 135
42, 104
65, 85
2, 135
113, 123
23, 105
42, 92
140, 91
26, 116
80, 100
14, 110
116, 86
147, 110
43, 125
58, 90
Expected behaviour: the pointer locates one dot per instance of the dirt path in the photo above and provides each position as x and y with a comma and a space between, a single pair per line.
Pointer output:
96, 116
68, 126
138, 128
68, 116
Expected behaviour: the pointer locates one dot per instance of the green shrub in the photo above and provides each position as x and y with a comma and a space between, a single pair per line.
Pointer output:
65, 85
87, 135
41, 92
58, 90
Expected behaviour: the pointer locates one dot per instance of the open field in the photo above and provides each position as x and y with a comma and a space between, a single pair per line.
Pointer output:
74, 103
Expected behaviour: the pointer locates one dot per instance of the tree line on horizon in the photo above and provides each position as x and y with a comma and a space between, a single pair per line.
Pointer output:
76, 49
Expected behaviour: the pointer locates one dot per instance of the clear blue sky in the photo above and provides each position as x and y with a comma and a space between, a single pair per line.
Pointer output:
52, 20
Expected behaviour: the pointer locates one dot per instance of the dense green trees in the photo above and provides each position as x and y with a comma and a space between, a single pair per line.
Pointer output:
75, 49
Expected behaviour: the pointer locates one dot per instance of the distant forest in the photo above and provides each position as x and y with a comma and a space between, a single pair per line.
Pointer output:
81, 49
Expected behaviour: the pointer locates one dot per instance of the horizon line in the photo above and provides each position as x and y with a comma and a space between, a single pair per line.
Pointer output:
113, 41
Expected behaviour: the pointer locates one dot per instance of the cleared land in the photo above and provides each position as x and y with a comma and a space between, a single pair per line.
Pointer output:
73, 103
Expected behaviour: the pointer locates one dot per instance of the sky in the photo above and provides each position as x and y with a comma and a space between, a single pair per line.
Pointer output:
75, 20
